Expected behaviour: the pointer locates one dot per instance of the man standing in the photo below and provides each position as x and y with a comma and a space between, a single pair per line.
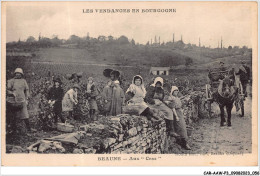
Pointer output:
244, 75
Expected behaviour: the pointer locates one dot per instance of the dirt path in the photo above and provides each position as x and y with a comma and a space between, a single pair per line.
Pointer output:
209, 138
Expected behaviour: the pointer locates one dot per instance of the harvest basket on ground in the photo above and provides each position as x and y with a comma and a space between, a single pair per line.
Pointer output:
65, 127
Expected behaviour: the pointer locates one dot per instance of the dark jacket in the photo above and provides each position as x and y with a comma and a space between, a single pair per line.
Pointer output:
244, 76
152, 93
56, 94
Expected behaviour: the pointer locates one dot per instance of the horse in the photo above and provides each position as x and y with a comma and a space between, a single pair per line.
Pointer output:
225, 96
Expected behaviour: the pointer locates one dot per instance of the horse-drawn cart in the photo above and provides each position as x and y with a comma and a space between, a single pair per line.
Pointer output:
215, 76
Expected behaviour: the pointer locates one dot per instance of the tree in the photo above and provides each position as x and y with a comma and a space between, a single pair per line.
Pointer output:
244, 48
179, 44
101, 38
45, 42
236, 47
110, 38
230, 48
30, 39
132, 42
123, 40
74, 39
55, 40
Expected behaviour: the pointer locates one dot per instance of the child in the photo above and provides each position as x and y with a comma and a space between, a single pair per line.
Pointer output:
92, 94
55, 95
70, 100
179, 123
118, 99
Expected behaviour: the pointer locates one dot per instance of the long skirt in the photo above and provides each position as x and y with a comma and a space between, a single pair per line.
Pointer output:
180, 126
20, 113
93, 104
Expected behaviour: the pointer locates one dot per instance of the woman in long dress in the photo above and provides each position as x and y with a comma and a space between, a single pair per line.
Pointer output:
118, 99
18, 90
155, 98
179, 122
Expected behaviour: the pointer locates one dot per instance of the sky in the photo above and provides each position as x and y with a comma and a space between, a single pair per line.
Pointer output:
233, 21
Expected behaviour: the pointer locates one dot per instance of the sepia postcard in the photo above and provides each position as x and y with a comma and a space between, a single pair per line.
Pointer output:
129, 83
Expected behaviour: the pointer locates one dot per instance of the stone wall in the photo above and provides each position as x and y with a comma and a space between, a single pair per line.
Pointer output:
122, 134
127, 134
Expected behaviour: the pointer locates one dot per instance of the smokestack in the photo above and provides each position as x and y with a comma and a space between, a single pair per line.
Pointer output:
199, 42
173, 38
221, 43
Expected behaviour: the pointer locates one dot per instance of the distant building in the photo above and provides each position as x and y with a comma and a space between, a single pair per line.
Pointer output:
159, 70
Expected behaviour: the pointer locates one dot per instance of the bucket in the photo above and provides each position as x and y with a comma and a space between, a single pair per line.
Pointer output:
189, 131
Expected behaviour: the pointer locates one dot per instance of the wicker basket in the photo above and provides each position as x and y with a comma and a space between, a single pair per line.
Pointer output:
65, 127
15, 103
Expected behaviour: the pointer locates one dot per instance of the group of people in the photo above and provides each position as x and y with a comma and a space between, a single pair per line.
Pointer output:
136, 100
154, 97
66, 102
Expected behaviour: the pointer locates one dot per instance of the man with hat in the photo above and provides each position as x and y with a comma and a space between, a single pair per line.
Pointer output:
222, 70
244, 75
55, 95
